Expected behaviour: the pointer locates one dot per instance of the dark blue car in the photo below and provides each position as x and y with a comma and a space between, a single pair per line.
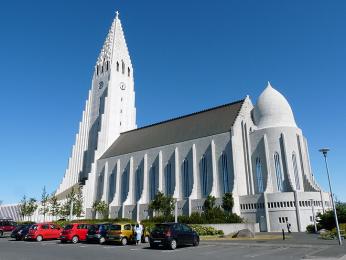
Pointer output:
20, 231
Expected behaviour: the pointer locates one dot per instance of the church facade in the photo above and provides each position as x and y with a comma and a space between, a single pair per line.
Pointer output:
256, 151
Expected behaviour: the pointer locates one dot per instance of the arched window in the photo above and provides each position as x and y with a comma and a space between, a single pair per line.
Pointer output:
225, 176
278, 173
204, 169
122, 67
295, 170
186, 178
153, 182
259, 175
169, 179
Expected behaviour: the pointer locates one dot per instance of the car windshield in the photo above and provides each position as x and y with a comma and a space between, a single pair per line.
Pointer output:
161, 228
115, 227
67, 227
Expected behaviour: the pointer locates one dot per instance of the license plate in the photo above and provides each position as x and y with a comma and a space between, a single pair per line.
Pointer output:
157, 241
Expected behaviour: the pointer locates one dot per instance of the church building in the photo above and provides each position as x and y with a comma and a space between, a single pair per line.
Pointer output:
256, 151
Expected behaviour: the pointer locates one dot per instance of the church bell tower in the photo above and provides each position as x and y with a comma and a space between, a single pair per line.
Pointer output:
109, 110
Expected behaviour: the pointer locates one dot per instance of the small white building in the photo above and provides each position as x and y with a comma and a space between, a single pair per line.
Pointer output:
257, 152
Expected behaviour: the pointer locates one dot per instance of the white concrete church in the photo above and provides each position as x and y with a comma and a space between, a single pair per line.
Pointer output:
257, 152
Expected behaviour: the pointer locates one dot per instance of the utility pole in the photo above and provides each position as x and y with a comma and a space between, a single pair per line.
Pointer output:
324, 151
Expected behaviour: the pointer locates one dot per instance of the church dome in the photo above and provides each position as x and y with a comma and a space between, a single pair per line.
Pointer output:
273, 110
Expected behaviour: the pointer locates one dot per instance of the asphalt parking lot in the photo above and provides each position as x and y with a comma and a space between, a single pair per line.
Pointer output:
10, 249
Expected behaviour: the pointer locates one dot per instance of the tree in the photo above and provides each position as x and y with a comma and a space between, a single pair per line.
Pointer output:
102, 208
78, 203
327, 220
209, 203
54, 205
23, 207
228, 202
162, 205
44, 203
31, 206
65, 208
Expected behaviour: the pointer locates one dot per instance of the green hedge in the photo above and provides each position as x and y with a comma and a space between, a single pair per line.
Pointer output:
205, 230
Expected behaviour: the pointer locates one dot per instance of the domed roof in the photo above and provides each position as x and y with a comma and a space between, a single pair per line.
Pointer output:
273, 110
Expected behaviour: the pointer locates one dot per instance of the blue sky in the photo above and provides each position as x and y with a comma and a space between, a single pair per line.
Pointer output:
187, 56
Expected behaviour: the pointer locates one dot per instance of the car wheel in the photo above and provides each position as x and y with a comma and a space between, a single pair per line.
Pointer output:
75, 240
146, 239
39, 238
1, 233
124, 241
173, 244
195, 241
102, 240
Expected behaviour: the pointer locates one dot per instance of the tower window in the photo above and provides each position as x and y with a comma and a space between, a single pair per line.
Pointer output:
278, 173
107, 64
295, 170
122, 67
128, 72
259, 175
117, 66
97, 70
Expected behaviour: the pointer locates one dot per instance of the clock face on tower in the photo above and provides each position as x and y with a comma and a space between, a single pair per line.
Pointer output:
122, 86
100, 84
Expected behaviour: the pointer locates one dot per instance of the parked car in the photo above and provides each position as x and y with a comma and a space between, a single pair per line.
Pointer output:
21, 231
43, 231
103, 233
6, 226
172, 235
96, 232
74, 232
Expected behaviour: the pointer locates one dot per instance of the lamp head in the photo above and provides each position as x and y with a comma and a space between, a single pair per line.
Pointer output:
324, 151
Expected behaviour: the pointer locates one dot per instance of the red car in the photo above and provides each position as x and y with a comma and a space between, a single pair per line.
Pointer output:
42, 231
6, 226
74, 232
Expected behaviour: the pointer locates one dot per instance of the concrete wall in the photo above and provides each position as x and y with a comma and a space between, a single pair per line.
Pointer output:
233, 228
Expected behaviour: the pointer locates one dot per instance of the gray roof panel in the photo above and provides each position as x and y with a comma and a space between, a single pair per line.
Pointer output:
208, 122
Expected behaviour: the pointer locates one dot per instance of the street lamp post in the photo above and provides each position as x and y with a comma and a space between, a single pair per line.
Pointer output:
313, 214
324, 151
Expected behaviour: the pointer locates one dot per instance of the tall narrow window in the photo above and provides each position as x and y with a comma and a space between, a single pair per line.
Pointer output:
295, 170
122, 67
169, 179
107, 64
225, 176
139, 182
97, 70
117, 66
186, 178
279, 180
259, 175
128, 71
153, 182
204, 176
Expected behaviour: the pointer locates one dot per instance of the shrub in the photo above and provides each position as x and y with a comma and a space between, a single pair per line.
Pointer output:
205, 230
310, 228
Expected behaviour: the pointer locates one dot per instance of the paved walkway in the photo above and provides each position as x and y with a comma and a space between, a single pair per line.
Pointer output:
325, 249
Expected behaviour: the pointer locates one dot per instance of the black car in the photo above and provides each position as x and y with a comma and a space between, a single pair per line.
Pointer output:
97, 233
20, 231
172, 235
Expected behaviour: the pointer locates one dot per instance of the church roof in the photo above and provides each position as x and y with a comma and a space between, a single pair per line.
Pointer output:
208, 122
